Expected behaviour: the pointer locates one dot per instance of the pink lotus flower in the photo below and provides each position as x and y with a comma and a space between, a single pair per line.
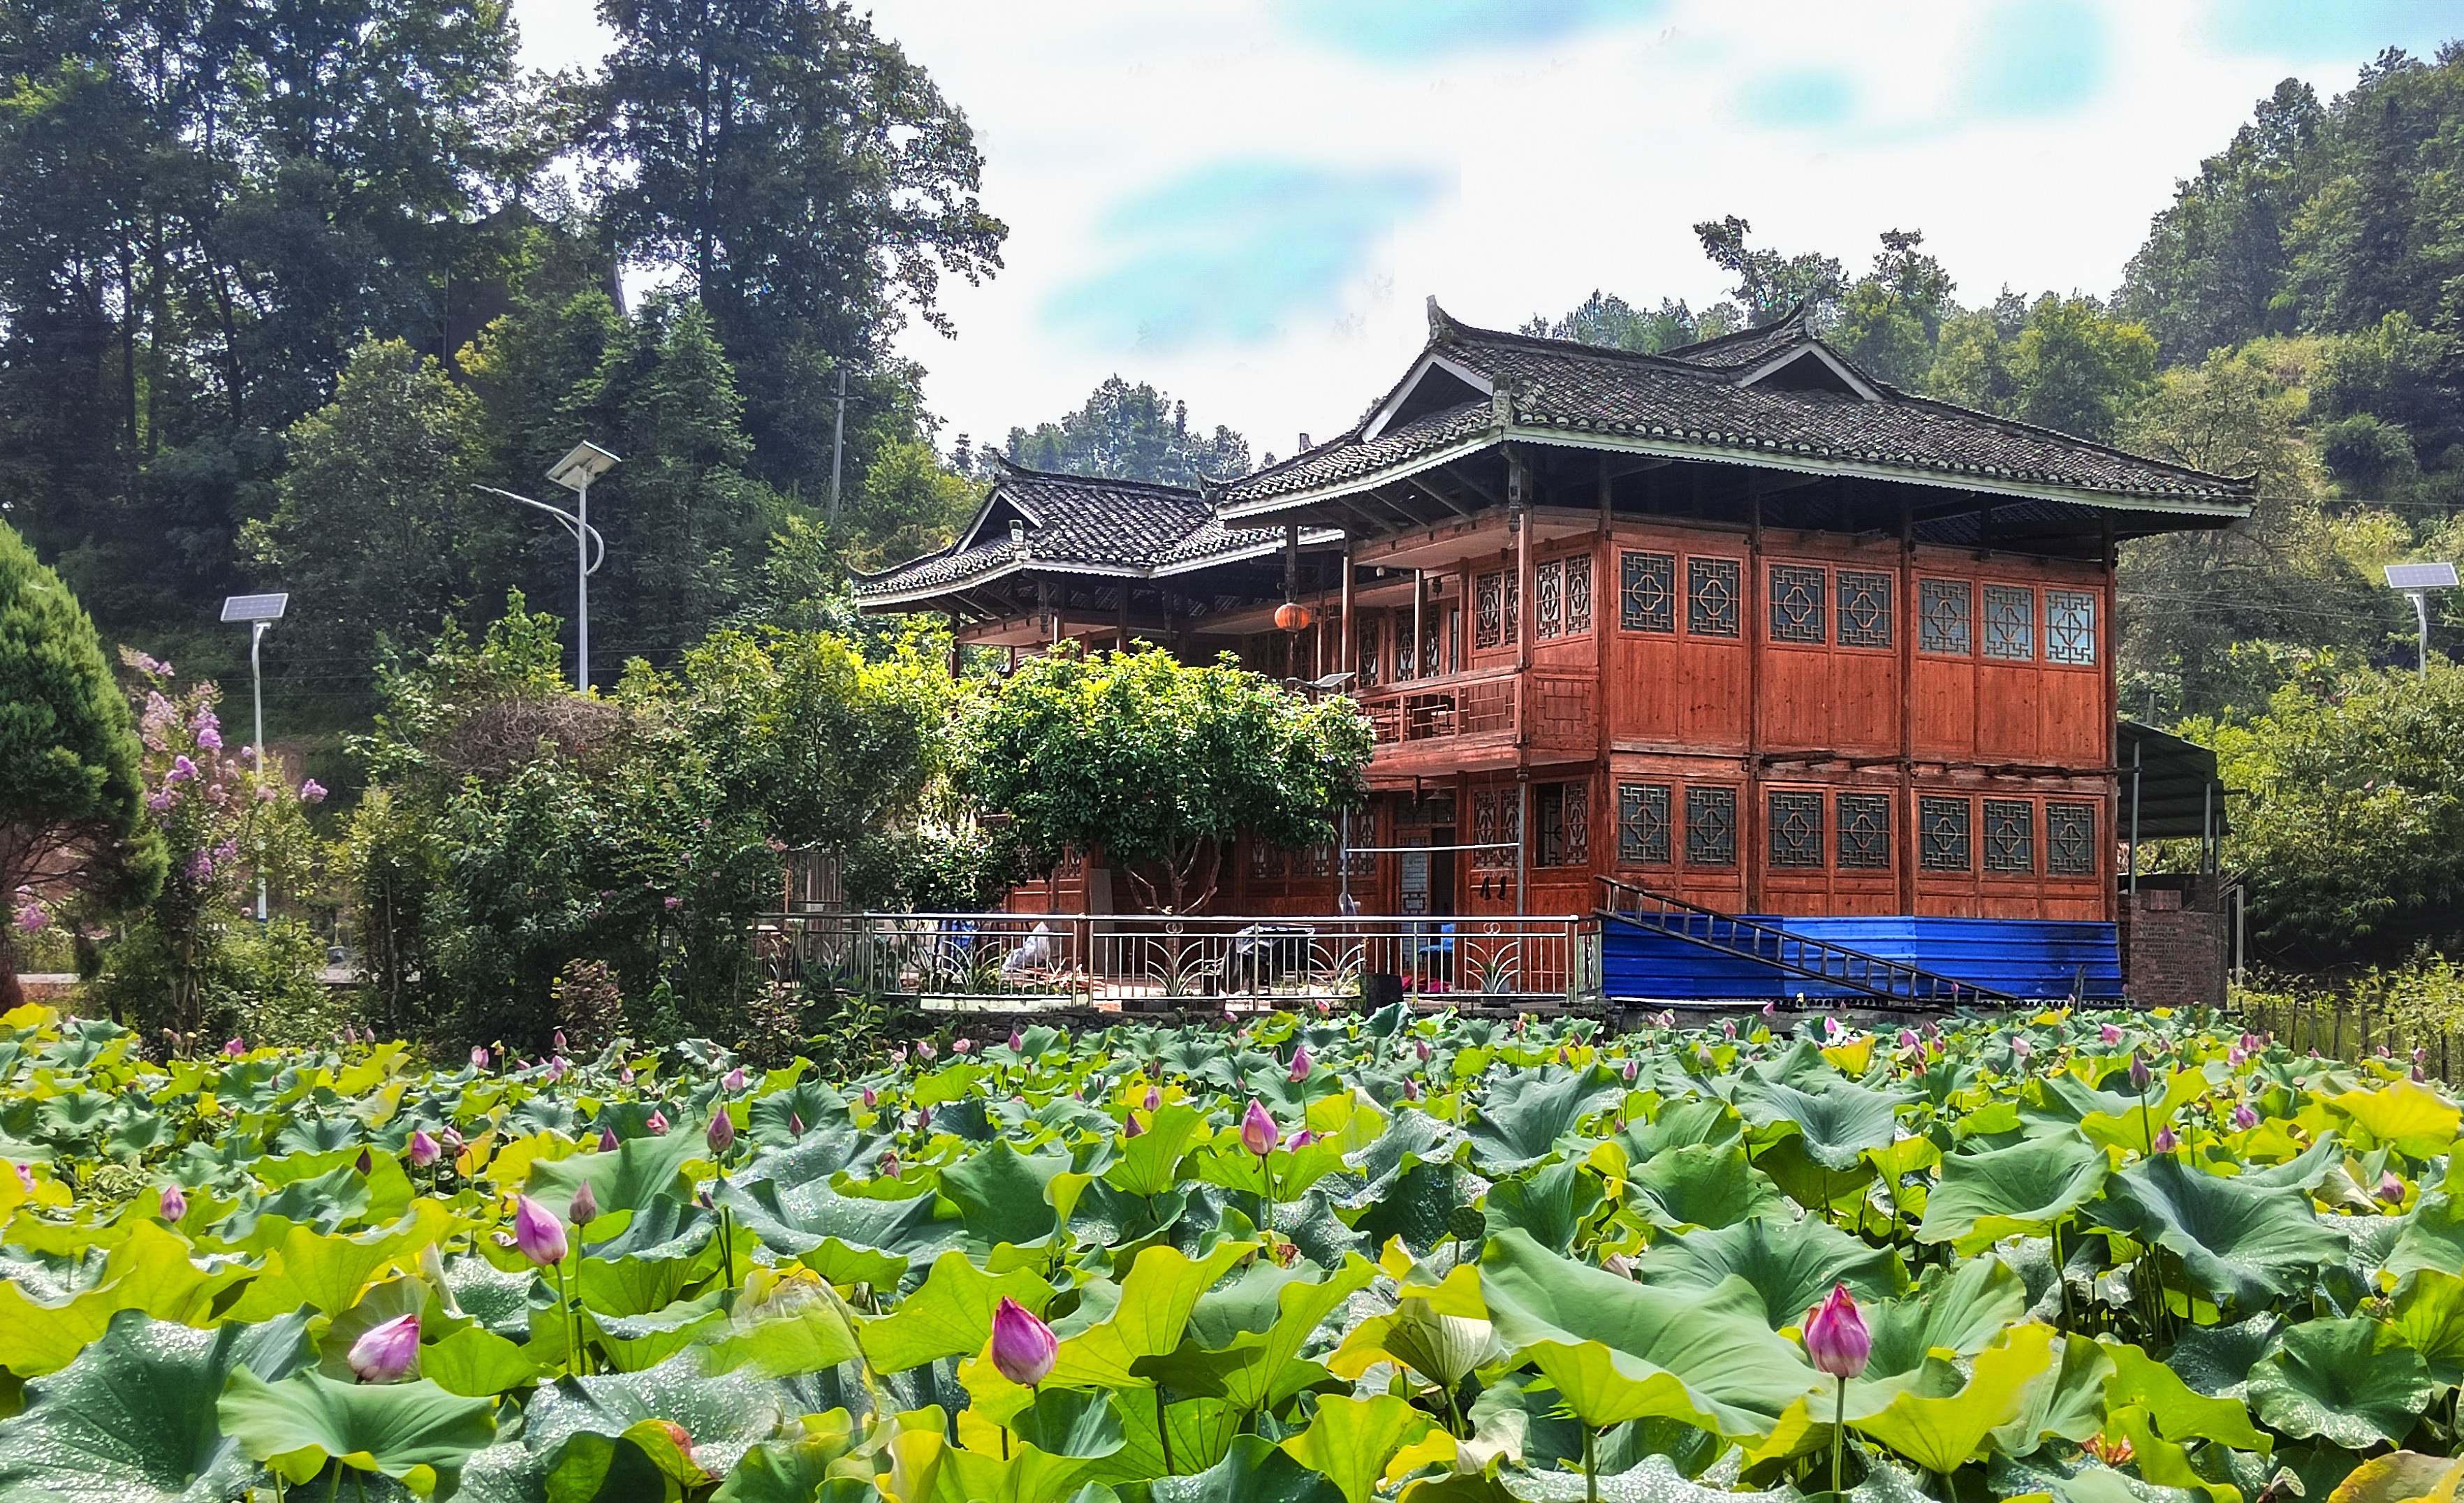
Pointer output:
423, 1149
869, 1099
1017, 1042
1257, 1131
174, 1207
1325, 1007
1154, 1098
2109, 1034
2244, 1118
478, 1057
2165, 1142
734, 1079
607, 1139
452, 1141
889, 1166
963, 1047
1302, 1139
658, 1123
538, 1235
585, 1208
1300, 1070
2020, 1048
1023, 1347
720, 1134
1907, 1038
795, 1125
625, 1076
1728, 1030
25, 1177
1836, 1337
898, 1055
924, 1049
1630, 1071
557, 1041
383, 1352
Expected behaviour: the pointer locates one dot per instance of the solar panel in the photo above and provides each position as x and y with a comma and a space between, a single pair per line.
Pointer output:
254, 608
2421, 576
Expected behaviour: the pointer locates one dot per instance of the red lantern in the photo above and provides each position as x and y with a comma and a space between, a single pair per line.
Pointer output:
1292, 616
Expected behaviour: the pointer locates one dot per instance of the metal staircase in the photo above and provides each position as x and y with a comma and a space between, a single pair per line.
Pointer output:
1890, 981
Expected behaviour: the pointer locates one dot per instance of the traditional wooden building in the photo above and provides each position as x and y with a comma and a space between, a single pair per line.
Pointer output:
1736, 626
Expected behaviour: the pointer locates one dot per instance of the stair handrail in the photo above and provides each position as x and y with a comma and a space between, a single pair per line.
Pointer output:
1923, 986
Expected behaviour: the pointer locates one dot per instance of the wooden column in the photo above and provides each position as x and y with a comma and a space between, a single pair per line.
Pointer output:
1345, 652
1912, 623
1752, 624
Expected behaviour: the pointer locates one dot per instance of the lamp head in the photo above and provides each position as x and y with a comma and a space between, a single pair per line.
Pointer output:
587, 463
264, 609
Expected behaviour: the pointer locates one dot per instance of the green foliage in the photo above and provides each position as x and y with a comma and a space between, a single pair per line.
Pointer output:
1156, 762
1607, 320
910, 504
71, 817
1126, 432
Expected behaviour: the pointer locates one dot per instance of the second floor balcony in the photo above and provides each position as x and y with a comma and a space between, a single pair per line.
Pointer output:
1440, 720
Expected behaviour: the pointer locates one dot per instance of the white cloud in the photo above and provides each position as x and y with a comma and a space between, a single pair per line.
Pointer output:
1576, 162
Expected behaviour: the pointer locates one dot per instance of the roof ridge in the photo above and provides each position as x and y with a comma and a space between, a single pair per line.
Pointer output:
1072, 477
1797, 315
2023, 426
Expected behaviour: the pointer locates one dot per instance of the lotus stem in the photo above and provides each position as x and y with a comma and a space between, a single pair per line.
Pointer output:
1591, 1466
1164, 1433
1838, 1432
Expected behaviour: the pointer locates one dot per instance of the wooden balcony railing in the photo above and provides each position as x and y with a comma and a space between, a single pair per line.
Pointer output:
1554, 710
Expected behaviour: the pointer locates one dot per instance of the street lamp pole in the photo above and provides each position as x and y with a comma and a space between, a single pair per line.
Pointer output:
2416, 581
575, 472
260, 612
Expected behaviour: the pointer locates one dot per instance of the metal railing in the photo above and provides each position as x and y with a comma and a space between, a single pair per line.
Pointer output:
1141, 961
1785, 950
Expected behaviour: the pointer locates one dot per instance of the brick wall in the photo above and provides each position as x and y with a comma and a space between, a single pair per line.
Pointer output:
2176, 941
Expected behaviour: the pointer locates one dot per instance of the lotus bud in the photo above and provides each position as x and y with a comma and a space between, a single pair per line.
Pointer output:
720, 1134
234, 1048
1023, 1347
1257, 1131
795, 1125
1299, 1064
1411, 1091
1618, 1264
1631, 1070
923, 1118
1830, 1028
701, 1198
478, 1057
1728, 1030
607, 1139
1770, 1009
2165, 1142
1154, 1098
557, 1042
365, 1164
962, 1045
423, 1149
383, 1352
2020, 1048
1325, 1007
1420, 1047
1132, 1129
889, 1166
2244, 1118
870, 1098
2391, 1188
585, 1208
25, 1177
625, 1076
734, 1079
2109, 1034
1836, 1337
924, 1049
1907, 1038
174, 1208
898, 1055
538, 1235
452, 1140
1018, 1041
2141, 1076
658, 1123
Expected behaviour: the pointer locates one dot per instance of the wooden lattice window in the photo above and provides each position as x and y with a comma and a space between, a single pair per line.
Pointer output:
1562, 819
1710, 826
1496, 818
1579, 594
2010, 622
1864, 608
1407, 657
2070, 839
1647, 591
1711, 597
1262, 859
1549, 585
2010, 835
1643, 824
1942, 834
1796, 828
1795, 603
2070, 627
1368, 662
1489, 610
1945, 619
1864, 831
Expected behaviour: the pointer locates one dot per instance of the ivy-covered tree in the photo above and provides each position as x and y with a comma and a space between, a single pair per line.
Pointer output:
1160, 764
72, 813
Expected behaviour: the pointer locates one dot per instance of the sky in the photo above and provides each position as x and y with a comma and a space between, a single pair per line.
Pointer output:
1247, 202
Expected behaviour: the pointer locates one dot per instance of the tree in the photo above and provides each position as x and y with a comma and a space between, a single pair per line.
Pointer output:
1126, 432
807, 180
1892, 318
1609, 320
1158, 762
1770, 284
369, 529
71, 795
2077, 369
910, 504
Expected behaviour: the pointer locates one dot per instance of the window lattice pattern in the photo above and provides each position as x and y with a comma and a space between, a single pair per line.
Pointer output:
1864, 831
1367, 663
1647, 591
1549, 585
1489, 610
1407, 660
1864, 608
1262, 860
1643, 824
1712, 827
2010, 622
2010, 835
1711, 597
1942, 617
1432, 661
1796, 828
2070, 839
1942, 834
2070, 627
1496, 816
1578, 596
1795, 603
1563, 817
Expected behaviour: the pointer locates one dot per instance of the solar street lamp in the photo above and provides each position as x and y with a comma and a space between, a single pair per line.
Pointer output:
260, 612
575, 472
2416, 581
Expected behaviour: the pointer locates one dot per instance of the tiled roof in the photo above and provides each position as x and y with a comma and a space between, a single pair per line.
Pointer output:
1688, 401
1073, 524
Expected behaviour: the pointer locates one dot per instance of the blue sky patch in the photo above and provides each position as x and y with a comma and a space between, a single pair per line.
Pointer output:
1229, 253
2032, 58
1407, 30
2352, 29
1800, 96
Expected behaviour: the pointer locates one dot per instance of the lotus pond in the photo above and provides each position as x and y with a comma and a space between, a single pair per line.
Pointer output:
2093, 1257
